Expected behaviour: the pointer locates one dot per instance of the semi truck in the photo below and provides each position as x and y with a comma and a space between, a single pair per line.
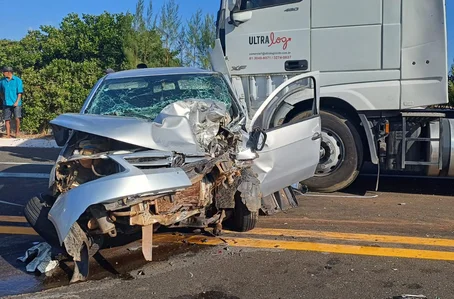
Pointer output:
383, 68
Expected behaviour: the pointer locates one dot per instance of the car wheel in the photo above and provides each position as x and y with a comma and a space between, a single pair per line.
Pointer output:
243, 219
36, 212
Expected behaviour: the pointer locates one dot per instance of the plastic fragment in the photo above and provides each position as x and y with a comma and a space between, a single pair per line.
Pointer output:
42, 260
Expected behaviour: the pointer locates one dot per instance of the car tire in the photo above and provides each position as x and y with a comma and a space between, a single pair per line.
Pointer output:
352, 156
36, 212
243, 219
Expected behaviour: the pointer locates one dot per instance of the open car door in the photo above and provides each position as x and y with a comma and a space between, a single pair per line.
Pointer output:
292, 150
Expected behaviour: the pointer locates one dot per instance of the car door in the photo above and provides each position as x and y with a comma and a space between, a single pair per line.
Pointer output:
292, 150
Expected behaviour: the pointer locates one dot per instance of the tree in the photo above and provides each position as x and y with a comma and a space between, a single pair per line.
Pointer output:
59, 87
60, 65
200, 37
171, 31
9, 54
143, 42
88, 38
451, 85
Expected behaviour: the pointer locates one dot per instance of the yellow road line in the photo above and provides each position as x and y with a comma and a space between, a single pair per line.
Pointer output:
17, 230
19, 219
287, 245
321, 247
350, 237
446, 223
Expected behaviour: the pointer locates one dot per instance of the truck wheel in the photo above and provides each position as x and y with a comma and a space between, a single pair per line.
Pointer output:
36, 212
341, 153
243, 219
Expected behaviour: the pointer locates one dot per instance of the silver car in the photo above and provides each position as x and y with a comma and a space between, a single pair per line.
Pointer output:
171, 147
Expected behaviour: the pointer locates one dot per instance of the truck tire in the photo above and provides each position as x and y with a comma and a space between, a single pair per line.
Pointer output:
36, 212
243, 219
341, 150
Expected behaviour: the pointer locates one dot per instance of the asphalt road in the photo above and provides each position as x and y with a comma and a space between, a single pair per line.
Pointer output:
355, 244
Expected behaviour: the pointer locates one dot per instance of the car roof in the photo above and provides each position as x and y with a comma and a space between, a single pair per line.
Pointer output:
157, 72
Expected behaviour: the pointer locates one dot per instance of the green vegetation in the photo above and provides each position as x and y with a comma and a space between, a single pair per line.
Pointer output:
451, 86
60, 65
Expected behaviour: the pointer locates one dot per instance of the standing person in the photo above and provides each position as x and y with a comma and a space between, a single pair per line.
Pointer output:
11, 90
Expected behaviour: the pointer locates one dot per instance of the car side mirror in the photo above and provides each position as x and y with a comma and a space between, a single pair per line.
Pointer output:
257, 139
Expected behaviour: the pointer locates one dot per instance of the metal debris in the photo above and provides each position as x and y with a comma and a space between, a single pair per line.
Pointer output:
42, 260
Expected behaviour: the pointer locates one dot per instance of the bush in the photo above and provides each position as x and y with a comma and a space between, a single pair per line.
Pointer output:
60, 87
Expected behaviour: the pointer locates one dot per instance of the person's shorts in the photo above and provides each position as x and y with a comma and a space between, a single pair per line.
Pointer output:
8, 112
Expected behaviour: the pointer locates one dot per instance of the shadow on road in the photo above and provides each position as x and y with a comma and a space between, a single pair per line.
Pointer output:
33, 154
422, 185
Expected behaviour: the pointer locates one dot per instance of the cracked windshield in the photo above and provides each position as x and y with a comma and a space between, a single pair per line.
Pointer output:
145, 97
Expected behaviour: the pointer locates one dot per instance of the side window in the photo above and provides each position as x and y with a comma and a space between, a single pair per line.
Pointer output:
257, 4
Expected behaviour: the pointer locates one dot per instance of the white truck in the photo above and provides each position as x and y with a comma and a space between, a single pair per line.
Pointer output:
382, 64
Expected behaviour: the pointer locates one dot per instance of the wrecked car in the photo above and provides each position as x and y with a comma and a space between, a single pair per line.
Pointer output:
172, 147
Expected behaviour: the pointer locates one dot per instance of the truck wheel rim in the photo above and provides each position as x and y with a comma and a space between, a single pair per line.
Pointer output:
331, 153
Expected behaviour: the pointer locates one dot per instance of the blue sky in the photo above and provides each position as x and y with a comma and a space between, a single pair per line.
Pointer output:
30, 14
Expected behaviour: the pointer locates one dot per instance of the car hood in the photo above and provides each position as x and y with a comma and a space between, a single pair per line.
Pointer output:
174, 133
185, 126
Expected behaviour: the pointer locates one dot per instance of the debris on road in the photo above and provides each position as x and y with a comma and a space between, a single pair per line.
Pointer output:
42, 260
410, 297
135, 248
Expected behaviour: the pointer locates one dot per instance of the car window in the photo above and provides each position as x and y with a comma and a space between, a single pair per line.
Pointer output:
145, 97
257, 4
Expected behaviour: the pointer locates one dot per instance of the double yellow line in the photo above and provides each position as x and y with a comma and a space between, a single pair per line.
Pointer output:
15, 230
368, 250
255, 242
326, 247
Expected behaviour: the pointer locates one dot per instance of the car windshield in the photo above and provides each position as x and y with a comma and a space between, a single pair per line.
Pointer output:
145, 97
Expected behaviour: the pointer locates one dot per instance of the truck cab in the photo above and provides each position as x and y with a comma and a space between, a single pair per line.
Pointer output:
377, 59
